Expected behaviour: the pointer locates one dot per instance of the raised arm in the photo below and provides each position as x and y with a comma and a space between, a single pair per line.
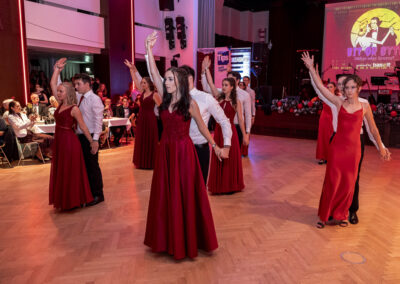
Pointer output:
210, 81
195, 113
204, 83
384, 152
58, 67
134, 74
150, 41
309, 63
239, 110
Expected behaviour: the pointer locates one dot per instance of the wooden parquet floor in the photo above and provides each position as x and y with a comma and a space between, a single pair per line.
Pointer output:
266, 234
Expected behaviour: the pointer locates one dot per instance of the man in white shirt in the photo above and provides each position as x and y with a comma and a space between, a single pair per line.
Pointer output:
252, 93
208, 106
242, 95
92, 108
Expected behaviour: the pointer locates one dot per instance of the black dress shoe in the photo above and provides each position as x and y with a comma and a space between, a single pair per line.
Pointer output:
353, 219
96, 200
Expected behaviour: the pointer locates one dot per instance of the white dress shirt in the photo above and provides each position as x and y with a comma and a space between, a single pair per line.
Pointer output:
5, 116
20, 124
91, 108
126, 112
209, 106
253, 100
335, 114
242, 96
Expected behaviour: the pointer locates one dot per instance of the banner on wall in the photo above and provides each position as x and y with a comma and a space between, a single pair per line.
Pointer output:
222, 59
363, 38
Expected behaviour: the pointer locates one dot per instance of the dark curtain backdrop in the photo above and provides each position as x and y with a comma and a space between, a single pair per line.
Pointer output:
294, 26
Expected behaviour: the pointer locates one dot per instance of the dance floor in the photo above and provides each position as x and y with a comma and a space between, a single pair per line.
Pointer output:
266, 234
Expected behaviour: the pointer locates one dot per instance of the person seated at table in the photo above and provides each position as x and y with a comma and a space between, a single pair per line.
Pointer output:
53, 105
7, 138
35, 107
122, 111
26, 132
41, 93
108, 113
3, 129
5, 107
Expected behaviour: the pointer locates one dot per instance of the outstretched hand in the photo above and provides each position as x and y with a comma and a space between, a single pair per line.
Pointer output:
130, 65
151, 40
60, 64
308, 61
206, 63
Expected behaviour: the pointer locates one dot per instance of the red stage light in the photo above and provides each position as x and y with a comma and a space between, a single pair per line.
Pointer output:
23, 53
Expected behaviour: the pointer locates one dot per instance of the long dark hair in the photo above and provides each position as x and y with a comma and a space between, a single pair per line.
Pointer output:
183, 105
10, 106
222, 96
150, 83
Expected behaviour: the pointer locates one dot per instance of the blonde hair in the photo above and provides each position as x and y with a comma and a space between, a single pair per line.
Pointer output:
71, 95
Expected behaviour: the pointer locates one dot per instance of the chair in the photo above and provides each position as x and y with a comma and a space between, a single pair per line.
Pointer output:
4, 156
30, 144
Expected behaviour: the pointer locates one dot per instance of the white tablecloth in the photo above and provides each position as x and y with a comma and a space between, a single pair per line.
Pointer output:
115, 121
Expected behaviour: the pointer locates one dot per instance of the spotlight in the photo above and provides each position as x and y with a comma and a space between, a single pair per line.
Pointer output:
181, 31
169, 32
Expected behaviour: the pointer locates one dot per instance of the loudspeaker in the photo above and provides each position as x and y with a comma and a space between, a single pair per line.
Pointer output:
166, 5
259, 52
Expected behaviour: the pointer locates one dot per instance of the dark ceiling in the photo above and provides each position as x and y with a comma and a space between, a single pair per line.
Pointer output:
264, 5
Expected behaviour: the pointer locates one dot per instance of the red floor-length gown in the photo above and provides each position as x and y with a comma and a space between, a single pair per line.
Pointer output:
179, 219
146, 135
325, 131
341, 170
69, 185
226, 175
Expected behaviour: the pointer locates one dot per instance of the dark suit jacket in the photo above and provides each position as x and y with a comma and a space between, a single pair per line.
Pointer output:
119, 111
42, 109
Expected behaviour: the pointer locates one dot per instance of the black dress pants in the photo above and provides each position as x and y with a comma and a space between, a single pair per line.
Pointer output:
92, 167
240, 134
203, 153
354, 203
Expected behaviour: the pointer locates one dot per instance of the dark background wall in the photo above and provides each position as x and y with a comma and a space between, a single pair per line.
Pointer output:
294, 26
11, 71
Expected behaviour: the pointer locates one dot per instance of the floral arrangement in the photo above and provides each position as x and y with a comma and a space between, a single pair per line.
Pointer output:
386, 112
297, 107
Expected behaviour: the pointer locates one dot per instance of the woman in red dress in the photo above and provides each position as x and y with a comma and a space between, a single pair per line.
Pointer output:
226, 176
69, 185
325, 128
345, 149
179, 219
146, 134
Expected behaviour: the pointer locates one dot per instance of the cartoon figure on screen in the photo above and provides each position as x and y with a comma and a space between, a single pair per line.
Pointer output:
375, 29
369, 39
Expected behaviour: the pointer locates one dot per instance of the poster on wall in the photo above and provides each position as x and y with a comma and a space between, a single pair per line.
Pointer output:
241, 60
221, 65
362, 38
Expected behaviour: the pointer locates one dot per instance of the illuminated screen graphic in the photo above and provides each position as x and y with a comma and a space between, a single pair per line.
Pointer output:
362, 38
240, 60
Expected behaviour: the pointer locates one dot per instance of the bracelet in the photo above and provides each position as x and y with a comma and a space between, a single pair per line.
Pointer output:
214, 145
